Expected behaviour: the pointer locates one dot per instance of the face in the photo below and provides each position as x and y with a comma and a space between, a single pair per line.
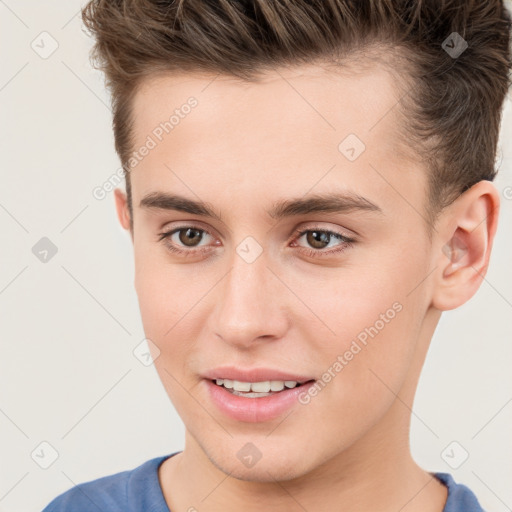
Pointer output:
331, 291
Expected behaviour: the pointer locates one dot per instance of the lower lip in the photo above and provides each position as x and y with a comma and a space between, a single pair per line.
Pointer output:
254, 410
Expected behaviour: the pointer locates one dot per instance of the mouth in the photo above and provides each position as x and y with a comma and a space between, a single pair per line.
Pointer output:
257, 400
257, 389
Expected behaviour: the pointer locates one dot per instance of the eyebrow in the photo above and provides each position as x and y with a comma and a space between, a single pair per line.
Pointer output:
317, 203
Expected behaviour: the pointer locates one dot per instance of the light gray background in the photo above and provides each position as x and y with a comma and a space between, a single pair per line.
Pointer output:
68, 375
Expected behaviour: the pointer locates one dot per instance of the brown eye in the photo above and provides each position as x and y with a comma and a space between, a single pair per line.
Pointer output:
190, 236
319, 242
186, 240
318, 239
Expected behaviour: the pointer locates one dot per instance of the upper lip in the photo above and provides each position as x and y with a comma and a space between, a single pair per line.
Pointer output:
253, 374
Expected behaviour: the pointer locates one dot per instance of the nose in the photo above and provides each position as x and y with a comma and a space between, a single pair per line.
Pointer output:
250, 304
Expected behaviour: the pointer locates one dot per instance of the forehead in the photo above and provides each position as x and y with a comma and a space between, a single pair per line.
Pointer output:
291, 125
330, 99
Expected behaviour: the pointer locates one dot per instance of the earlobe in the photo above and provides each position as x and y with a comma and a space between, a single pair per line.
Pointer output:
468, 230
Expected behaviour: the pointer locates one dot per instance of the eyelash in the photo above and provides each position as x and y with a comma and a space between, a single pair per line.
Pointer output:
315, 253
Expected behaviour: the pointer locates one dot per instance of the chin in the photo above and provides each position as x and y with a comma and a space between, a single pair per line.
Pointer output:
264, 473
270, 467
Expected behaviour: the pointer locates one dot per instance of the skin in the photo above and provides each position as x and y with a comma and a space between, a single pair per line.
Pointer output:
244, 147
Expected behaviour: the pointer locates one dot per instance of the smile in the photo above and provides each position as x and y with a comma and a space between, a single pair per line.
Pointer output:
254, 402
256, 389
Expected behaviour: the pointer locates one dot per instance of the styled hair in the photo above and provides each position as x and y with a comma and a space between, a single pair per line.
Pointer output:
451, 103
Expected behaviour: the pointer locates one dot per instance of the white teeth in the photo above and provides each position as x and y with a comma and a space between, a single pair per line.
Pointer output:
278, 385
259, 387
242, 386
256, 387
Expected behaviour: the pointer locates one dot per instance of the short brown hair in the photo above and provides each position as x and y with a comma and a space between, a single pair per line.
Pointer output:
453, 105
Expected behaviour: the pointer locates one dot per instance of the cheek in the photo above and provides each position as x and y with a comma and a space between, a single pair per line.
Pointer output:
366, 362
373, 321
165, 291
172, 299
166, 302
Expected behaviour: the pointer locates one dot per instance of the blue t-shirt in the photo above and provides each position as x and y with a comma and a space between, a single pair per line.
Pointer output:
138, 490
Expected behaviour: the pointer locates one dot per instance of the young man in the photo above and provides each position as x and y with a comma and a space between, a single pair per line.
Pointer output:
308, 189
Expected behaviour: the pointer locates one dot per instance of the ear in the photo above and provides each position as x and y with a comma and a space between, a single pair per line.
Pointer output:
466, 233
123, 213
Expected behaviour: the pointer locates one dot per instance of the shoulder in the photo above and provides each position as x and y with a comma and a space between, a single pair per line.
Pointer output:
106, 493
125, 491
460, 498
